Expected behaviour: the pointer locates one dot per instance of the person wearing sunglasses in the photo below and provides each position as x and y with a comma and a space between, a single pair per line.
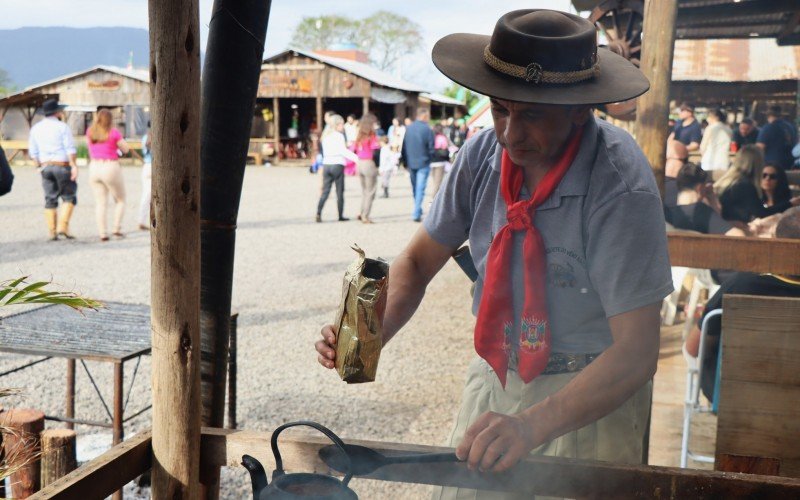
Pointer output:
774, 186
739, 189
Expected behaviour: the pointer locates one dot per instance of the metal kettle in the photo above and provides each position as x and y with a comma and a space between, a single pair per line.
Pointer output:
301, 485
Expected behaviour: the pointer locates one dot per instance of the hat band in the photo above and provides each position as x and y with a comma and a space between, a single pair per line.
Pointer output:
534, 73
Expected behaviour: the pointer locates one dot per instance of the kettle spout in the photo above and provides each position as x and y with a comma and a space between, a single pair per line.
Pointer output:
258, 476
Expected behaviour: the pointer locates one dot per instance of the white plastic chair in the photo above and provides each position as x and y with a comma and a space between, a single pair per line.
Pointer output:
702, 280
669, 308
691, 403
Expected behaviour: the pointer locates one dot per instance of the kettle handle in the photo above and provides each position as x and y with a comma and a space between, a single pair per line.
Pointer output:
329, 433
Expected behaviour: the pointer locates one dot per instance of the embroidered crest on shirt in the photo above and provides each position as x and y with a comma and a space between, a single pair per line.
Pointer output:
532, 332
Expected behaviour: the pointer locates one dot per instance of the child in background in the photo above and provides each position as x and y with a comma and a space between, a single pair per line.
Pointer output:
389, 160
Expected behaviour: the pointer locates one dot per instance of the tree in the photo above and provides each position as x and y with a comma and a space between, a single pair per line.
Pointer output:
384, 35
314, 33
6, 85
456, 91
388, 37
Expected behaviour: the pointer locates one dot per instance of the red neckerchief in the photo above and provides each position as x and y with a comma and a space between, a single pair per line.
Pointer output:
496, 312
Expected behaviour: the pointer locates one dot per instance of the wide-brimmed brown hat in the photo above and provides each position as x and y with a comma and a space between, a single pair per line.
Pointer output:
539, 56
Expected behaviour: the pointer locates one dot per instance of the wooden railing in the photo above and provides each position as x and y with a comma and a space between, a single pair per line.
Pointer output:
536, 475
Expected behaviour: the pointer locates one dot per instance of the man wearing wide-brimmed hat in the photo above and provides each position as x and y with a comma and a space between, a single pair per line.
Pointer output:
52, 148
566, 229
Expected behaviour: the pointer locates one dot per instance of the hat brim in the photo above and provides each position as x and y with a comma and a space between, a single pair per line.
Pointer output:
460, 57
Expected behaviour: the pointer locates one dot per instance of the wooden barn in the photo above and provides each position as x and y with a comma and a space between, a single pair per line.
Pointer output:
297, 87
125, 91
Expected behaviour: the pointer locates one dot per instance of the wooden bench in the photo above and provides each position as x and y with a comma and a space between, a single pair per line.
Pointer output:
758, 429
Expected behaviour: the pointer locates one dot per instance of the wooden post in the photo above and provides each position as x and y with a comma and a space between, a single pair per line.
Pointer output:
652, 109
276, 115
175, 247
365, 105
70, 406
58, 454
232, 355
22, 445
320, 118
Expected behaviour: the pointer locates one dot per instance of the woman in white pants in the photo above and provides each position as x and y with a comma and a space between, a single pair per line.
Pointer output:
105, 173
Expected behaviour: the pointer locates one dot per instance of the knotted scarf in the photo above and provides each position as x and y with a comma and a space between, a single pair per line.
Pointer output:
495, 323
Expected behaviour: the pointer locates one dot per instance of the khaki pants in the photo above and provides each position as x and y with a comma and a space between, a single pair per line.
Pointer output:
617, 437
368, 173
105, 177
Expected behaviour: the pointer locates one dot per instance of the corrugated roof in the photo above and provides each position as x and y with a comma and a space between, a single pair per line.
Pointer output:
365, 71
142, 75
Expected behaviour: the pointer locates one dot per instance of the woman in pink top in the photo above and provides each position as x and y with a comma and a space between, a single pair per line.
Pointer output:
105, 174
441, 156
364, 147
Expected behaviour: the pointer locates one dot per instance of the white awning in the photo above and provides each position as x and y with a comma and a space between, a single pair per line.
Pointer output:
388, 96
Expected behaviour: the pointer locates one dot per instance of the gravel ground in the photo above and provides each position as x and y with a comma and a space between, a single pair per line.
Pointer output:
287, 284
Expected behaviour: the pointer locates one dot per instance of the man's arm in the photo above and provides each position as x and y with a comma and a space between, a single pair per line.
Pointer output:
497, 442
409, 276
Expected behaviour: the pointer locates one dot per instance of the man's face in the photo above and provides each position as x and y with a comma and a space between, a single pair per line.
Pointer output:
685, 114
745, 128
534, 134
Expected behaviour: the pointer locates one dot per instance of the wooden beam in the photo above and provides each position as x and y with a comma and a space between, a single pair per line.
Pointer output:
175, 247
755, 255
550, 476
652, 109
103, 475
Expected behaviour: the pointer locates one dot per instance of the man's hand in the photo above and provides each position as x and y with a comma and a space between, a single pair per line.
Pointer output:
326, 354
73, 173
496, 442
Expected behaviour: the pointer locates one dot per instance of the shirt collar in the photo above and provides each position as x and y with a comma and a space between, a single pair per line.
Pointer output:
576, 180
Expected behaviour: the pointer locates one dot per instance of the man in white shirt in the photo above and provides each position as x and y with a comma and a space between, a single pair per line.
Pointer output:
351, 130
716, 143
51, 147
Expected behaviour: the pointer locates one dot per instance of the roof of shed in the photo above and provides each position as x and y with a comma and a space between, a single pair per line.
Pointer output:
365, 71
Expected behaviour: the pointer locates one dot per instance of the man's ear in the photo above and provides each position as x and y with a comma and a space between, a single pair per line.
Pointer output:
581, 114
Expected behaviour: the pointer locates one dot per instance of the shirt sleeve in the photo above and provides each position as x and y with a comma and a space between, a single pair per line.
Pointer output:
116, 136
696, 134
450, 217
33, 147
67, 141
626, 251
763, 134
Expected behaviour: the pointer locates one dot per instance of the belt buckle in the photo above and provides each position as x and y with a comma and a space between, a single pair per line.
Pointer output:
572, 363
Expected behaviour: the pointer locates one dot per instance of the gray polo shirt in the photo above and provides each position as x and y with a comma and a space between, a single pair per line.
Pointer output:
603, 230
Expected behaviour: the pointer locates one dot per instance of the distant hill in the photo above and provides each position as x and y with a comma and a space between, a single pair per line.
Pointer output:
33, 55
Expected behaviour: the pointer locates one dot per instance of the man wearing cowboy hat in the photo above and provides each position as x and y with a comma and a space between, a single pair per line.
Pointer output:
566, 229
52, 148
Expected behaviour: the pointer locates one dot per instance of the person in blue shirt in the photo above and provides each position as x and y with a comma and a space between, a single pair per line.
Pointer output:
417, 153
687, 130
776, 140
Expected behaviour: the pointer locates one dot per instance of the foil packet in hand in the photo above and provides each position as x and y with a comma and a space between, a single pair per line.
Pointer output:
359, 334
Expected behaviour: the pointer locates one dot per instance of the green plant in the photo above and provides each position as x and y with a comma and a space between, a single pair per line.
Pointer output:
18, 291
82, 151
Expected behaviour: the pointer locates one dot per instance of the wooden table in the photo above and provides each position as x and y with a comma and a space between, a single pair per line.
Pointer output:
116, 334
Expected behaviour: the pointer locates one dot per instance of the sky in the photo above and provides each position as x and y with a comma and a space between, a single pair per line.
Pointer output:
437, 19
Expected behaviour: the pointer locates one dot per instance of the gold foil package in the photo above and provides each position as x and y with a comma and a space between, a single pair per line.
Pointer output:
359, 321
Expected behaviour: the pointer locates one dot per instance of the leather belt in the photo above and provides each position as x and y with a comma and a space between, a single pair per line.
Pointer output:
56, 164
568, 363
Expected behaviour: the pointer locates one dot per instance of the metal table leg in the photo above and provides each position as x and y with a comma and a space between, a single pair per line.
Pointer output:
70, 406
119, 432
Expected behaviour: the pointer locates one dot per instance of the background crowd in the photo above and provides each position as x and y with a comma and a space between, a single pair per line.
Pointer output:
361, 147
740, 184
